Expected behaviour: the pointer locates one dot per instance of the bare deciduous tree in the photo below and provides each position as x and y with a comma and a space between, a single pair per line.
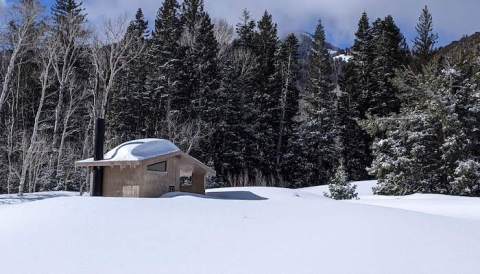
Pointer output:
24, 16
111, 52
224, 34
45, 56
71, 37
187, 134
75, 96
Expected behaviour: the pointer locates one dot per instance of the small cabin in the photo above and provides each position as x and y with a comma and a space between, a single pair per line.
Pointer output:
149, 168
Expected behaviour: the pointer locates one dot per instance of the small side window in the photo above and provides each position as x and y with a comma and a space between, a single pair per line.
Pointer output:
171, 189
158, 167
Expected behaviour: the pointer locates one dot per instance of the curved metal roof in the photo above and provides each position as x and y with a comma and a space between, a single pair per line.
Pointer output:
136, 151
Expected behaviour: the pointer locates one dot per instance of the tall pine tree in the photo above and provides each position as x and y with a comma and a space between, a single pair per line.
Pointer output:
168, 98
353, 139
424, 43
68, 11
266, 99
353, 104
389, 53
232, 138
289, 69
200, 77
318, 133
127, 118
361, 65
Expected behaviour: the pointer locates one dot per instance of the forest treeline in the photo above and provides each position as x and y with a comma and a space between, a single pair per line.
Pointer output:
259, 108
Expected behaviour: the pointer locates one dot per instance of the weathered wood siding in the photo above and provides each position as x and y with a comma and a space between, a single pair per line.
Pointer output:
126, 181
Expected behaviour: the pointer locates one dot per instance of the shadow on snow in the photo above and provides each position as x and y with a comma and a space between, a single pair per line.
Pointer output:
223, 195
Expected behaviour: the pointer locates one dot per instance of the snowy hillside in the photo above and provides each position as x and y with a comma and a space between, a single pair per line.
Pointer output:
240, 230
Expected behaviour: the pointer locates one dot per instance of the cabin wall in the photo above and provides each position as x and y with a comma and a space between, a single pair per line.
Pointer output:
139, 182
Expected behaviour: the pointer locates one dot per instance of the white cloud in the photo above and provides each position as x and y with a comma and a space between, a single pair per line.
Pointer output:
452, 19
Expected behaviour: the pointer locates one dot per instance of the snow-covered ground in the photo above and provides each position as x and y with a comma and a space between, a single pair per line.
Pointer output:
240, 230
343, 57
11, 199
444, 205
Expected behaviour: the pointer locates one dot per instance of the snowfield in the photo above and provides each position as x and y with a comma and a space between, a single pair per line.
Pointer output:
242, 230
444, 205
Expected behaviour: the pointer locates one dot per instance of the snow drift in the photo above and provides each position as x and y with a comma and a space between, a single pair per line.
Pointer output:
242, 230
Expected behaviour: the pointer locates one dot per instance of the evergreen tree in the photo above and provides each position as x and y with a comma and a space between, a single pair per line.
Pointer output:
355, 84
361, 66
192, 14
70, 11
138, 28
354, 140
246, 32
467, 178
408, 159
232, 138
243, 49
127, 118
318, 133
200, 75
467, 96
425, 144
168, 97
425, 41
340, 188
289, 70
200, 61
389, 54
266, 98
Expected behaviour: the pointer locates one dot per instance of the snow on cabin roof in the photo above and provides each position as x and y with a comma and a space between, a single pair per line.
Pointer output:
137, 150
143, 149
134, 152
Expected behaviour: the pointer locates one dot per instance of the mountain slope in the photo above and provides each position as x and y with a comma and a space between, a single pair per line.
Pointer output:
466, 49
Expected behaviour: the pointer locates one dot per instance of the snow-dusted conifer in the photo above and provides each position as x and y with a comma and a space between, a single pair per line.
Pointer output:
266, 99
318, 132
164, 86
424, 43
424, 144
467, 178
354, 140
361, 66
127, 118
289, 69
388, 47
339, 187
232, 137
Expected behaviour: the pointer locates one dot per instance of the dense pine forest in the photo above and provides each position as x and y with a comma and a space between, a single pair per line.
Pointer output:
259, 108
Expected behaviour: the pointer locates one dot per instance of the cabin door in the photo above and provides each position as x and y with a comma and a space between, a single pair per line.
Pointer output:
131, 191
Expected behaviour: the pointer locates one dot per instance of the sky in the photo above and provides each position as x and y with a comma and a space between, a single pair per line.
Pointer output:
452, 18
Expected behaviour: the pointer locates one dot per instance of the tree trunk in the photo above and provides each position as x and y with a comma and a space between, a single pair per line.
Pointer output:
283, 105
33, 138
9, 72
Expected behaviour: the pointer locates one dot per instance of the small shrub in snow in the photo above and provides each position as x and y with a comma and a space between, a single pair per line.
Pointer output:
340, 188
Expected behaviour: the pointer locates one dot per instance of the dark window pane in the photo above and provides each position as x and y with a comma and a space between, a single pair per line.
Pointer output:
159, 167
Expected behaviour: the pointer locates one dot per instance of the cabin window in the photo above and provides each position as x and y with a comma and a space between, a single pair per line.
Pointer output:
171, 189
158, 167
186, 181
